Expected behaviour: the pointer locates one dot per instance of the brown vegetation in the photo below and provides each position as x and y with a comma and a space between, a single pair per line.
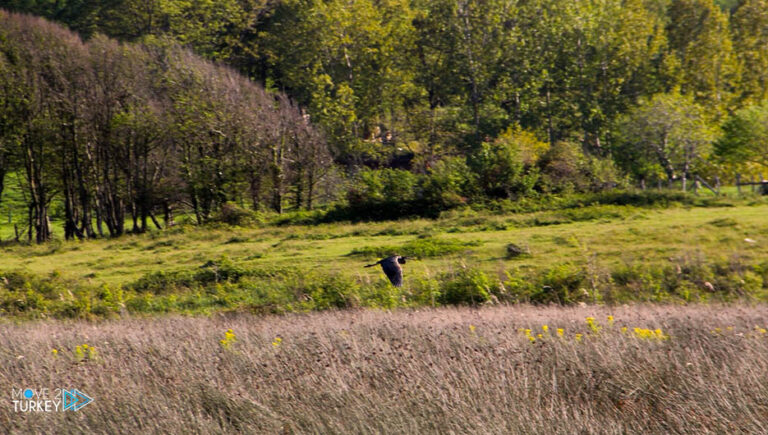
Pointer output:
427, 371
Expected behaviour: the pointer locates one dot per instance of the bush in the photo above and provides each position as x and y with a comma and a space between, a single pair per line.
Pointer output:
449, 184
232, 214
466, 287
335, 291
500, 171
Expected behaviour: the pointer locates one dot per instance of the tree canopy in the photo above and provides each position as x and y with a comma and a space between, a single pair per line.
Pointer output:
317, 90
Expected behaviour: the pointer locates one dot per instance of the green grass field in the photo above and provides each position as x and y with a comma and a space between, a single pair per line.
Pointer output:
611, 234
678, 253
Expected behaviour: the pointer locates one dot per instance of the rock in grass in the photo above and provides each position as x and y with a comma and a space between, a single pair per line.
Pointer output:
514, 250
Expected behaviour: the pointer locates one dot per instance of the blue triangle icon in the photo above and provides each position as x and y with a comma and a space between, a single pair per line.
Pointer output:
75, 399
69, 398
83, 399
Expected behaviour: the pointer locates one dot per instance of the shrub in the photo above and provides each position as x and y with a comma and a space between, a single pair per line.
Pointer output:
466, 287
335, 291
500, 171
562, 284
232, 214
448, 184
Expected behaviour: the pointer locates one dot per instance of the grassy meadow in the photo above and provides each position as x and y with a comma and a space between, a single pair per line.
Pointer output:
596, 253
609, 318
625, 369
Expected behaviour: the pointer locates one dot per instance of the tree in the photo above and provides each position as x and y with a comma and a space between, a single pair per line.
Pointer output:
749, 26
347, 63
745, 136
48, 63
116, 130
670, 129
699, 36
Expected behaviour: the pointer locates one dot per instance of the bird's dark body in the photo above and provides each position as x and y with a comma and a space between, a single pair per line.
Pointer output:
393, 270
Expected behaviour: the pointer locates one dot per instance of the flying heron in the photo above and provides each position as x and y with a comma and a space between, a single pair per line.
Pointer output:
391, 267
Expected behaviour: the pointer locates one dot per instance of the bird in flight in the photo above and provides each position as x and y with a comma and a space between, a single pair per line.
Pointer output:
391, 267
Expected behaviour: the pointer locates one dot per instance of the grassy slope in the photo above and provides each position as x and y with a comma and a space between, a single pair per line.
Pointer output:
613, 235
428, 371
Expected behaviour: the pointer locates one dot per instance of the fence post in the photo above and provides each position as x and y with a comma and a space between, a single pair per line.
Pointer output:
738, 183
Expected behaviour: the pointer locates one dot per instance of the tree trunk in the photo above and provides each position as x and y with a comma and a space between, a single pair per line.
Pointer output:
299, 188
167, 214
278, 176
310, 189
666, 164
255, 187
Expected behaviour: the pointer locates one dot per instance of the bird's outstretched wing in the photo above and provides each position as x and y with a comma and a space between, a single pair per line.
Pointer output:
394, 272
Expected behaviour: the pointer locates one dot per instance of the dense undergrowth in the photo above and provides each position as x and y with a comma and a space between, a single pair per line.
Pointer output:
382, 208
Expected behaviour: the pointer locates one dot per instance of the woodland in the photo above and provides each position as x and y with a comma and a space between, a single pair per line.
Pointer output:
118, 115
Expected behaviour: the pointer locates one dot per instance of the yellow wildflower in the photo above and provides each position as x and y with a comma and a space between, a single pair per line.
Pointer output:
229, 339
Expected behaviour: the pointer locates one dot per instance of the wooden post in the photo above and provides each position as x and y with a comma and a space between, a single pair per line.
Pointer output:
642, 183
738, 183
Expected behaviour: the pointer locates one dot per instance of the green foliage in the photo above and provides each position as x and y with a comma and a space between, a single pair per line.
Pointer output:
459, 97
501, 172
332, 292
668, 134
449, 184
232, 214
466, 287
748, 24
698, 35
745, 137
225, 285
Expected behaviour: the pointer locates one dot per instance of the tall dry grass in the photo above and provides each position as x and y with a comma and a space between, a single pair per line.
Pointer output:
427, 371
